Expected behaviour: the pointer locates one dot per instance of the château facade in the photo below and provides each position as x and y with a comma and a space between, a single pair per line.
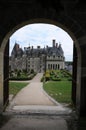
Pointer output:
39, 59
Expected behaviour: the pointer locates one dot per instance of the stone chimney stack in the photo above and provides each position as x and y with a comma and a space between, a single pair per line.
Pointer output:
32, 47
59, 45
38, 47
56, 45
47, 46
53, 42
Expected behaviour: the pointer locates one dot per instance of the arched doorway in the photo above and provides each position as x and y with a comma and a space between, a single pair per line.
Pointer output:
77, 65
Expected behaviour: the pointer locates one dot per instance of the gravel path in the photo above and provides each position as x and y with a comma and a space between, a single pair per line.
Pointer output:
33, 94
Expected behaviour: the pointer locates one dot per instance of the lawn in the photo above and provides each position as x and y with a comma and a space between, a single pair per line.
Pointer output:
15, 87
59, 90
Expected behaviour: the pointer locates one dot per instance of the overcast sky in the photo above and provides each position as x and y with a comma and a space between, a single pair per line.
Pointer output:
43, 34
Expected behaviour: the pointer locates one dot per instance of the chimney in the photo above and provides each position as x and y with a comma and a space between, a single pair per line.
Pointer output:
54, 43
38, 47
59, 45
32, 47
47, 46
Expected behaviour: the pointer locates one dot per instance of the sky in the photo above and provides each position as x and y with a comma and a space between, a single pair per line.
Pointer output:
42, 35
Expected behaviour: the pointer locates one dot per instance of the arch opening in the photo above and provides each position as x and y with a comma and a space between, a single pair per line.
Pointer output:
47, 21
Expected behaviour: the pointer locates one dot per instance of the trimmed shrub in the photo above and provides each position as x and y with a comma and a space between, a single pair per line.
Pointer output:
47, 76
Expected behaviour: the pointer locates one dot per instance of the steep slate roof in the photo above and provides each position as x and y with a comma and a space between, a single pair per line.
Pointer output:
36, 52
57, 51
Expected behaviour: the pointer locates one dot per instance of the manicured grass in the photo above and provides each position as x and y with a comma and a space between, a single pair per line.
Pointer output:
59, 90
15, 87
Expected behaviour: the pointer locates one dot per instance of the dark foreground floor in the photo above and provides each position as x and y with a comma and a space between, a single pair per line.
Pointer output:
34, 123
41, 122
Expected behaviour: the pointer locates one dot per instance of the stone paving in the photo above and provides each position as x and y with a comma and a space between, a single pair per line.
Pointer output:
35, 123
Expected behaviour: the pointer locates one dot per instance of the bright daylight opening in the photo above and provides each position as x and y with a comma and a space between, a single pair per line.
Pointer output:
40, 66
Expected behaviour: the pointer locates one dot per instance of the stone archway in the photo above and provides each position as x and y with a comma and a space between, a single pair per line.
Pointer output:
3, 51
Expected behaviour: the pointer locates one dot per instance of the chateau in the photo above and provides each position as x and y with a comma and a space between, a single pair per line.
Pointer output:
39, 59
